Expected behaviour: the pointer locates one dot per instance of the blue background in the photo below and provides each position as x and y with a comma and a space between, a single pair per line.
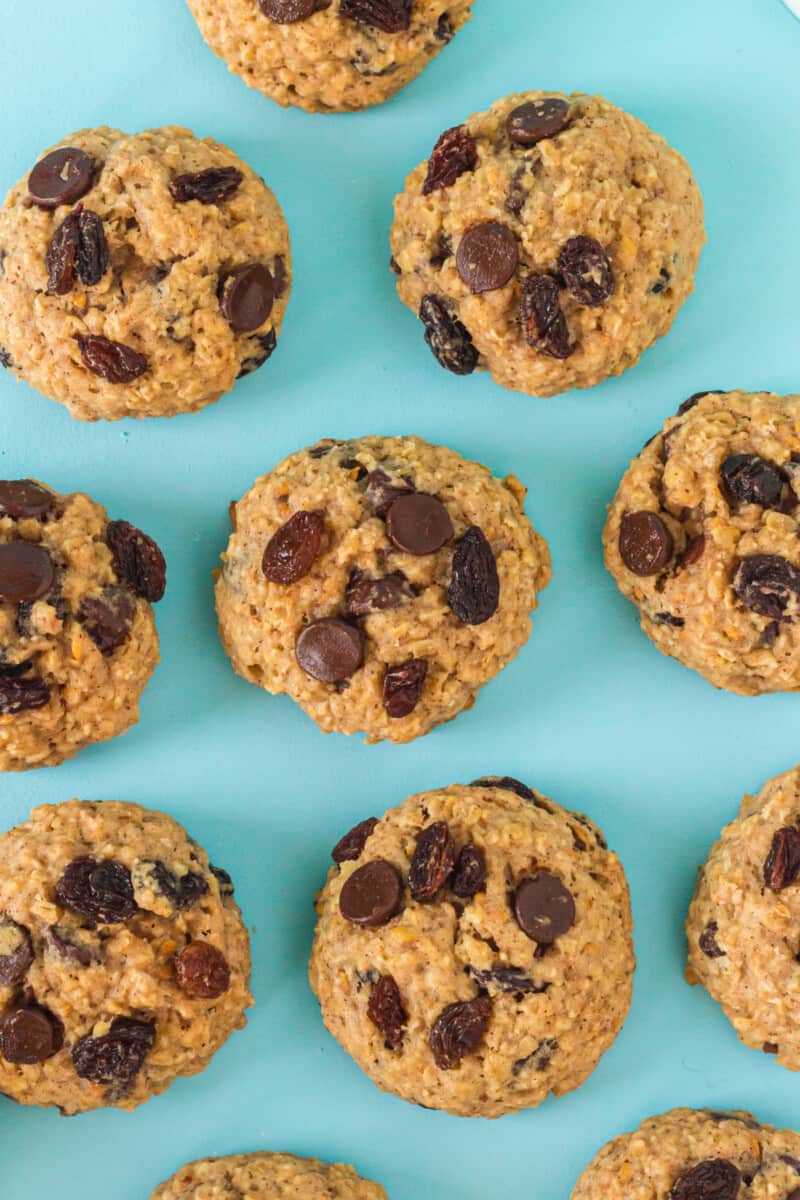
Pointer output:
589, 713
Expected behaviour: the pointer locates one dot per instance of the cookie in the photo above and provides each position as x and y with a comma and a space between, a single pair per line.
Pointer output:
550, 241
744, 919
380, 582
264, 1176
702, 536
124, 962
329, 55
78, 639
140, 276
692, 1154
473, 950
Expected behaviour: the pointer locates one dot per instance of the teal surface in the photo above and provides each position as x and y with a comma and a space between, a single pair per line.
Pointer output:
589, 713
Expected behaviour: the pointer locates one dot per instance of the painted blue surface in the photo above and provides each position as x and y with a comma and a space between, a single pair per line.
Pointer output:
590, 713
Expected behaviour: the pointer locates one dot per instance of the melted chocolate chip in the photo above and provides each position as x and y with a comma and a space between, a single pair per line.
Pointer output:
645, 543
487, 257
246, 297
26, 571
371, 895
22, 498
544, 908
61, 177
418, 524
330, 650
536, 120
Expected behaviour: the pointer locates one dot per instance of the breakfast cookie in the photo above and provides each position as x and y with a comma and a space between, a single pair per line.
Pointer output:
78, 639
549, 241
329, 55
744, 922
264, 1176
473, 951
124, 962
690, 1154
380, 582
702, 536
140, 276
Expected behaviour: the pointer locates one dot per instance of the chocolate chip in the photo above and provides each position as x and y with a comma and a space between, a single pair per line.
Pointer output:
371, 895
365, 596
432, 862
26, 571
246, 297
542, 319
291, 551
61, 177
392, 16
782, 866
183, 892
112, 361
98, 889
474, 590
449, 340
544, 908
714, 1179
418, 524
587, 272
708, 941
202, 971
454, 154
16, 952
350, 847
382, 491
469, 873
695, 398
117, 1056
22, 498
513, 980
137, 560
107, 619
536, 120
330, 650
22, 695
487, 256
211, 186
402, 687
769, 585
78, 252
29, 1034
459, 1031
750, 479
645, 543
386, 1010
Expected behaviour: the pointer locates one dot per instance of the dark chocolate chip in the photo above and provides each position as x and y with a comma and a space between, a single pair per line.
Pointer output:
402, 687
61, 177
291, 551
365, 596
246, 297
351, 846
22, 498
287, 12
536, 120
26, 571
544, 908
587, 272
418, 524
107, 619
330, 650
382, 491
645, 543
695, 549
29, 1034
487, 257
372, 894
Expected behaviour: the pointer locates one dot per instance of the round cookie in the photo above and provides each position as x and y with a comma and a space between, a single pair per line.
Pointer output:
380, 582
473, 951
265, 1176
141, 276
550, 241
744, 921
78, 639
702, 536
690, 1154
124, 962
329, 55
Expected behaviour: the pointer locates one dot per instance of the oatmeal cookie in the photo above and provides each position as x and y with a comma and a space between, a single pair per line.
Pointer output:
473, 951
140, 276
550, 241
265, 1176
380, 583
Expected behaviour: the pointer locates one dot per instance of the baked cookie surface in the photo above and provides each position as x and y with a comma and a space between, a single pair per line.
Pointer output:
549, 240
141, 275
473, 950
743, 923
329, 55
702, 536
124, 962
78, 639
690, 1154
380, 582
265, 1176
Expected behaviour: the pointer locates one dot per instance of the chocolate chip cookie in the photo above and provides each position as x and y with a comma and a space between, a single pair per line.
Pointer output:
702, 536
743, 928
688, 1154
550, 241
380, 583
264, 1176
124, 962
329, 55
140, 276
473, 950
78, 639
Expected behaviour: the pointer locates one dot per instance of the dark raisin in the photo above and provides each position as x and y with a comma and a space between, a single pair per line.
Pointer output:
769, 585
444, 251
181, 892
6, 361
782, 866
459, 1030
749, 479
68, 949
512, 980
392, 16
202, 971
474, 591
539, 1060
444, 29
266, 343
349, 848
455, 153
665, 618
291, 551
365, 596
587, 272
542, 317
107, 619
662, 283
714, 1179
694, 399
708, 941
211, 186
117, 1056
402, 687
353, 466
385, 1009
508, 784
223, 880
112, 361
98, 889
137, 560
432, 862
22, 695
382, 491
517, 191
469, 875
16, 952
695, 549
449, 340
78, 251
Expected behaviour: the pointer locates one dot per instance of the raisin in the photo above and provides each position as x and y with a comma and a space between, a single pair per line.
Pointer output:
266, 343
665, 618
385, 1009
444, 29
539, 1060
508, 784
17, 954
365, 596
714, 1179
695, 549
542, 317
291, 551
356, 469
382, 491
22, 695
469, 875
181, 892
98, 889
6, 361
392, 16
695, 398
78, 251
587, 272
708, 941
769, 585
116, 1056
749, 479
137, 560
455, 153
107, 620
112, 361
662, 283
202, 971
432, 861
474, 591
782, 866
513, 980
349, 848
211, 186
68, 949
449, 340
402, 687
459, 1030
